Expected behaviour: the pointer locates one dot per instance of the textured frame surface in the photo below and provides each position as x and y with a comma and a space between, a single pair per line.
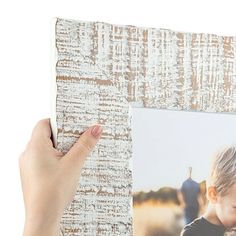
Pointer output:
101, 71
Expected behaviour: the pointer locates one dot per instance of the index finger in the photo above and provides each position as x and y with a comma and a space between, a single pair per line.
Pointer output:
42, 130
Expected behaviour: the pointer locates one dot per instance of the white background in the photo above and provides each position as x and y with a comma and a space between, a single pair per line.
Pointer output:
26, 65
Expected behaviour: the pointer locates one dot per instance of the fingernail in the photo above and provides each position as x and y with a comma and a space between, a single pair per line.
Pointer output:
97, 130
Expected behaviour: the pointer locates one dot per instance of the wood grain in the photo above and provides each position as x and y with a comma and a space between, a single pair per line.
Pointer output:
102, 70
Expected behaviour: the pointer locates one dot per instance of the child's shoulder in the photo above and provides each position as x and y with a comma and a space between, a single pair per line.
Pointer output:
202, 227
192, 229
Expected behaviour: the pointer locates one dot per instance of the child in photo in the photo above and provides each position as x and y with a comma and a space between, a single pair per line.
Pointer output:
220, 214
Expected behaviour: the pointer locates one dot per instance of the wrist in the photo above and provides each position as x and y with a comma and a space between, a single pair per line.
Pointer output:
38, 226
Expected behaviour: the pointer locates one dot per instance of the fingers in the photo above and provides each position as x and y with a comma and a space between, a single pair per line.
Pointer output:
42, 130
81, 149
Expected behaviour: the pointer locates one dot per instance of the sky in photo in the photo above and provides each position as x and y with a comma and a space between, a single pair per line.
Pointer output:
166, 143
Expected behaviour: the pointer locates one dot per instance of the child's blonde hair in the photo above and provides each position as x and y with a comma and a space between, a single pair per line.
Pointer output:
223, 170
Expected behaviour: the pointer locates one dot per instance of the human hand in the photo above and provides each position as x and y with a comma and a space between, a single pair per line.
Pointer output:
49, 179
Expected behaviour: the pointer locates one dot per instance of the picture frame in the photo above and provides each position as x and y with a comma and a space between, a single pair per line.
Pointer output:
100, 72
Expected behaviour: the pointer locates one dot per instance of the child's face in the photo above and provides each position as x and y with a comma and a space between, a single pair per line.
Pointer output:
226, 208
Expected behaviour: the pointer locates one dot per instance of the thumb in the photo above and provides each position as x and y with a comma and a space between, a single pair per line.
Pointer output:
82, 147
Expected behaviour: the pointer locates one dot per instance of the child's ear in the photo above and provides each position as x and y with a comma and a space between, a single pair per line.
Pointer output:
212, 194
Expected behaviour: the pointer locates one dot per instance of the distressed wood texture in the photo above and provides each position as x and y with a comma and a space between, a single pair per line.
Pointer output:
102, 70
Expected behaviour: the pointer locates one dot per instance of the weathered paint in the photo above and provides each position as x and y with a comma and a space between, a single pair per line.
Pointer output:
101, 71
